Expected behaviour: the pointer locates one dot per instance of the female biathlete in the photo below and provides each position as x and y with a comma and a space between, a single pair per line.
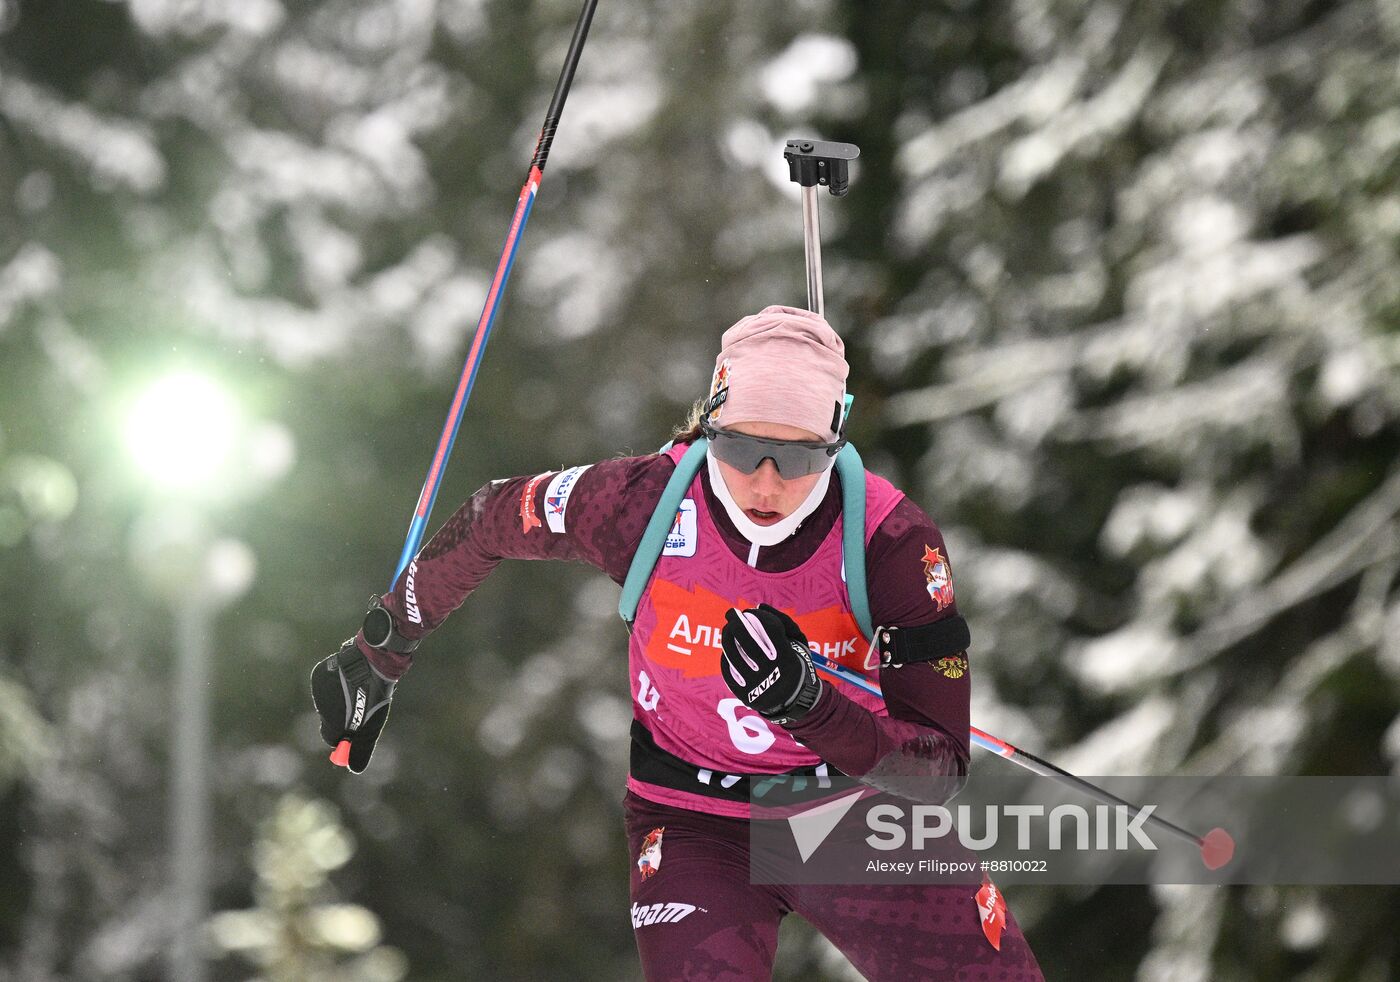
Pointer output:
719, 691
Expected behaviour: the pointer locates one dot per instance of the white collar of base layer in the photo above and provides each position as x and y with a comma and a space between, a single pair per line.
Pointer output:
764, 535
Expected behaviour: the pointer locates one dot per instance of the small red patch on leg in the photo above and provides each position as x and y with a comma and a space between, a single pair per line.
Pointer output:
991, 905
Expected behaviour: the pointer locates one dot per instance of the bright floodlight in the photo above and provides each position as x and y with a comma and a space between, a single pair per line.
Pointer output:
182, 431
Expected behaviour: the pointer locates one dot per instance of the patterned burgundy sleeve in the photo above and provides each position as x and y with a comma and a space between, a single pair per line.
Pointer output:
926, 733
594, 514
911, 584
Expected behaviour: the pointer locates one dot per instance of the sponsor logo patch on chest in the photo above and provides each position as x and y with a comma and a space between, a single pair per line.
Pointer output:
684, 534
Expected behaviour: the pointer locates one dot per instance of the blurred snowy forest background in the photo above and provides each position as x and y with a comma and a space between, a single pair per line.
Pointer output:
1120, 283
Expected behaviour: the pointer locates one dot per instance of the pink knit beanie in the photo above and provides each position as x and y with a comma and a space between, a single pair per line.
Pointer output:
781, 365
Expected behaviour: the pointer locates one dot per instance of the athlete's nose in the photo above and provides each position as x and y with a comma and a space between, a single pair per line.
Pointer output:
767, 482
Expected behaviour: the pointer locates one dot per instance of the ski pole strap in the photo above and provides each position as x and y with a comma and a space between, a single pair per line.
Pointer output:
851, 470
654, 538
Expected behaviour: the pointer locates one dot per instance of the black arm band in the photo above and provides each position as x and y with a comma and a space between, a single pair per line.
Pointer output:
928, 642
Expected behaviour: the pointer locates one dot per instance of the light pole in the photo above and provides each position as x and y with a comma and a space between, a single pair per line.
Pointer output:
189, 439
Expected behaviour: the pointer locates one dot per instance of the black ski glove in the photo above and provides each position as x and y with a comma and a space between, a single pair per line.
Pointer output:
352, 700
767, 664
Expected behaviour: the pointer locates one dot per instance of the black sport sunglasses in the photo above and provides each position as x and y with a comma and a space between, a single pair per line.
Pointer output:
793, 458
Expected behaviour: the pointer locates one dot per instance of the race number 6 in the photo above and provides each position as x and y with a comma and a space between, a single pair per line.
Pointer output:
749, 733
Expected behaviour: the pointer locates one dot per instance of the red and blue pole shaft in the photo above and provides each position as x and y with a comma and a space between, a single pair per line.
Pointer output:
523, 203
1216, 846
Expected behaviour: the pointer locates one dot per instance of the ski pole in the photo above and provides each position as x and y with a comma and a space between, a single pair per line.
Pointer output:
1216, 846
523, 203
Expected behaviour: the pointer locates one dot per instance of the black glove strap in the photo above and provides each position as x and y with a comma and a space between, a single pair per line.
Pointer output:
801, 703
354, 665
805, 696
928, 642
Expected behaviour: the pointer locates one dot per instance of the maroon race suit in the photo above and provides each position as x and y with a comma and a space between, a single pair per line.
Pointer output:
888, 931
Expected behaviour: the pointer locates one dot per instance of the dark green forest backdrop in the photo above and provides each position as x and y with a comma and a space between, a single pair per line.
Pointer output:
1119, 284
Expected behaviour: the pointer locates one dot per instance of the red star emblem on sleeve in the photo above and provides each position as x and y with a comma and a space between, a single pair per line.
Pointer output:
939, 576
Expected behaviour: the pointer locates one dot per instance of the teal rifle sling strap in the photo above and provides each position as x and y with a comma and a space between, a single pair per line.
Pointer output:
654, 538
849, 469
